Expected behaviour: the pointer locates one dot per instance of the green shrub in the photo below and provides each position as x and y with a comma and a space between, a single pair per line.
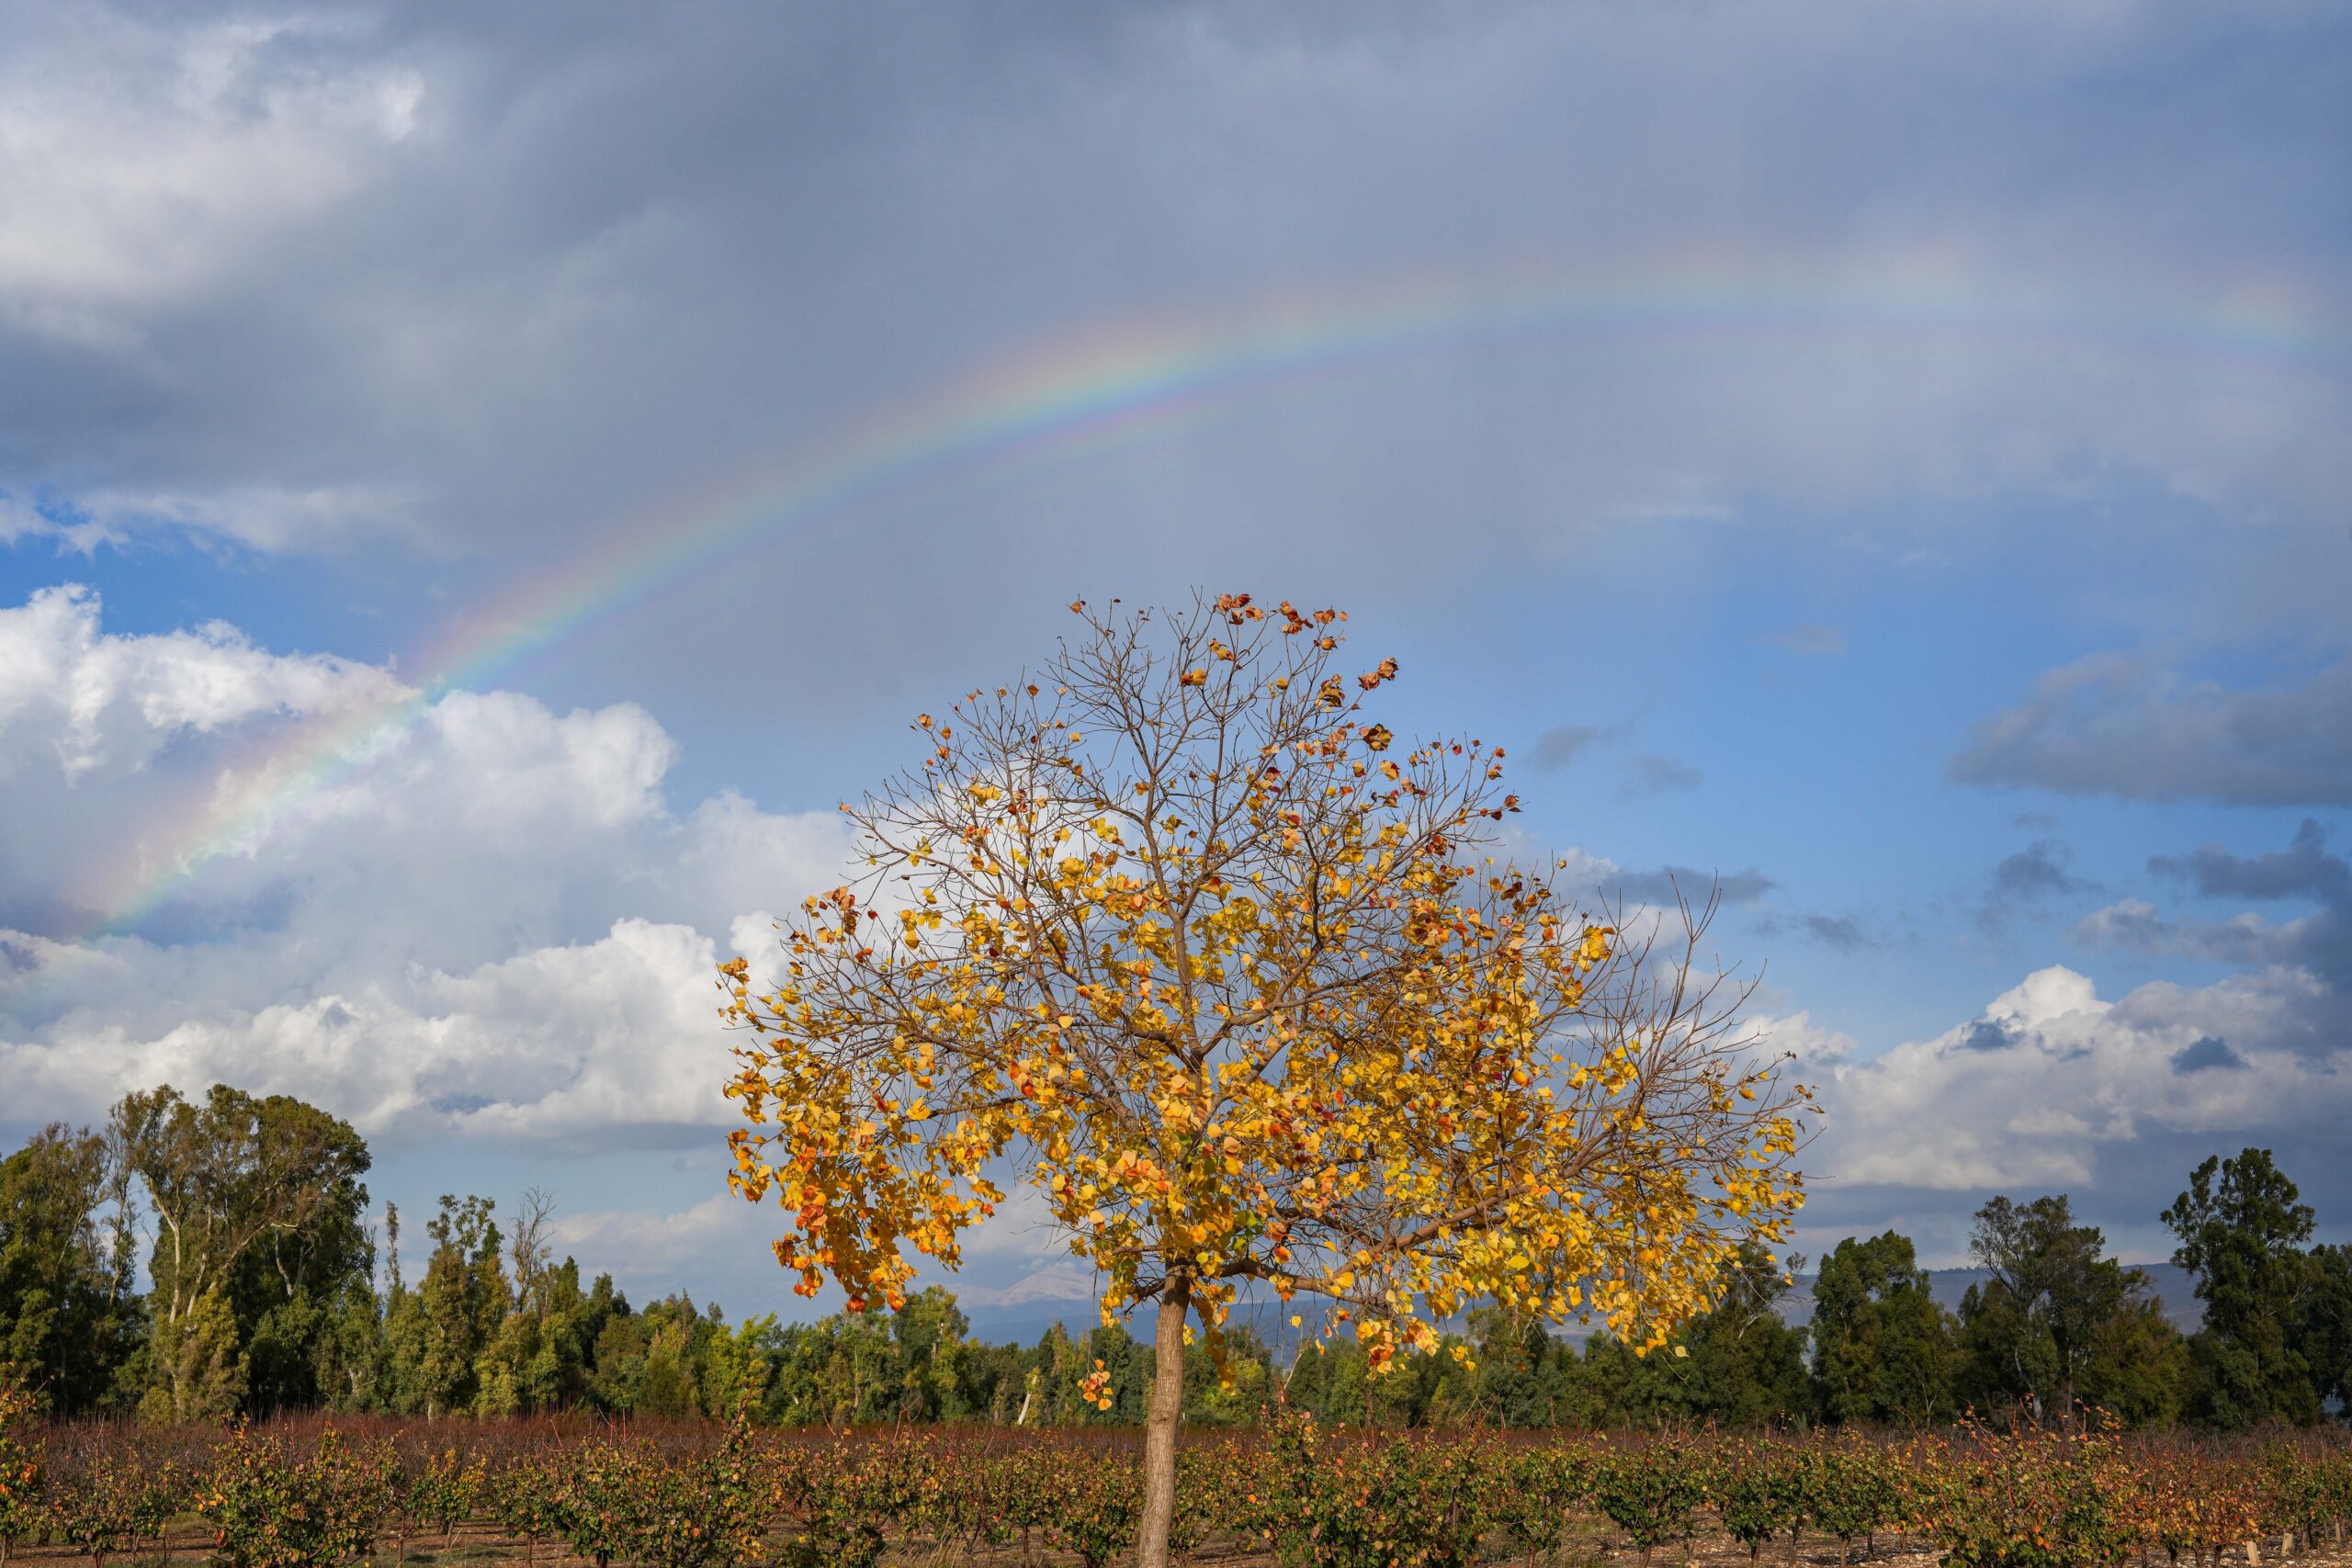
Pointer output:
1759, 1492
267, 1512
1652, 1493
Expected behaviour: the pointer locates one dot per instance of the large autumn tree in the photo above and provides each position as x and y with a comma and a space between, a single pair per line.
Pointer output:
1175, 931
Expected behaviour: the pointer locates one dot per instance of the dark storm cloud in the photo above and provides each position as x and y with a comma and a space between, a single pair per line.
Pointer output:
494, 278
2205, 1054
2119, 727
1988, 1034
2304, 869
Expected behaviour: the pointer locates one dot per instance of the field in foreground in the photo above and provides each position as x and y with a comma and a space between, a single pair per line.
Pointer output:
298, 1493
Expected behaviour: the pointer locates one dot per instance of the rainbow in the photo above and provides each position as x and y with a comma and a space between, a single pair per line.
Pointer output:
1085, 390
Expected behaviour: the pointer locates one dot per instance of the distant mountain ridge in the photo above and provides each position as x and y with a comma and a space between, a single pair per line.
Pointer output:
1023, 1320
2174, 1288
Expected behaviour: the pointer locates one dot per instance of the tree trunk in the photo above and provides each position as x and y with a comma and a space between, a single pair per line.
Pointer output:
1160, 1428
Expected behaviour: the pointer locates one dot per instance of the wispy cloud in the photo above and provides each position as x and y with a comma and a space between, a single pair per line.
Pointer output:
1563, 744
1667, 884
1810, 638
1654, 774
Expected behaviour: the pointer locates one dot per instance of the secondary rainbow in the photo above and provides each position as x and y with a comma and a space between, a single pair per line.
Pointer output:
1099, 385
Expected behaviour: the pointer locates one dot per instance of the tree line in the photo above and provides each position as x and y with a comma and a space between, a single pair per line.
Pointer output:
266, 1290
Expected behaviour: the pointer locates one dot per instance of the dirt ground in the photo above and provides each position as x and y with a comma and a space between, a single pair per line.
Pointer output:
476, 1546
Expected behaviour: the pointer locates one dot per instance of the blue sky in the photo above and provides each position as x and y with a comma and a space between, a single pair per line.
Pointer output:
1978, 618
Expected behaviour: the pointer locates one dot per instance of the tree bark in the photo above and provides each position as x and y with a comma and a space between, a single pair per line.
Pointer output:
1160, 1428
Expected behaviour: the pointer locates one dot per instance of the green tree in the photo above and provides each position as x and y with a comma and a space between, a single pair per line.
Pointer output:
2029, 1335
1522, 1376
1739, 1364
405, 1329
2242, 1228
1746, 1364
66, 1312
668, 1380
2325, 1330
256, 1202
735, 1366
1614, 1387
463, 1299
2138, 1370
542, 1354
930, 1331
200, 1370
1229, 1382
1883, 1349
842, 1370
349, 1367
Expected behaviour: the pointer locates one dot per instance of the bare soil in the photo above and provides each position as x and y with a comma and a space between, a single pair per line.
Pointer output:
1594, 1546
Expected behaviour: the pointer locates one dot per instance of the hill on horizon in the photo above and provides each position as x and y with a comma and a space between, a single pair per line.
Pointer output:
1026, 1322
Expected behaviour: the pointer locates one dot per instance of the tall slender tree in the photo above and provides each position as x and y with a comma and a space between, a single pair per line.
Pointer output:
2243, 1228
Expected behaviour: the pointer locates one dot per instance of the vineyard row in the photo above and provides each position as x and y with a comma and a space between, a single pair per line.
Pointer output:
308, 1496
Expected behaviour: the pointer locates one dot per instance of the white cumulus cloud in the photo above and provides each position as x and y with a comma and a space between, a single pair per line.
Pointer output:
2053, 1089
494, 924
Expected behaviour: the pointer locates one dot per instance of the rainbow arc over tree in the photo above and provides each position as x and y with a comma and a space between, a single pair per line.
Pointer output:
1102, 384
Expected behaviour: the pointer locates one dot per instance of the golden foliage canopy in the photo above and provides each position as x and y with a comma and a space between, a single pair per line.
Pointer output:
1176, 932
